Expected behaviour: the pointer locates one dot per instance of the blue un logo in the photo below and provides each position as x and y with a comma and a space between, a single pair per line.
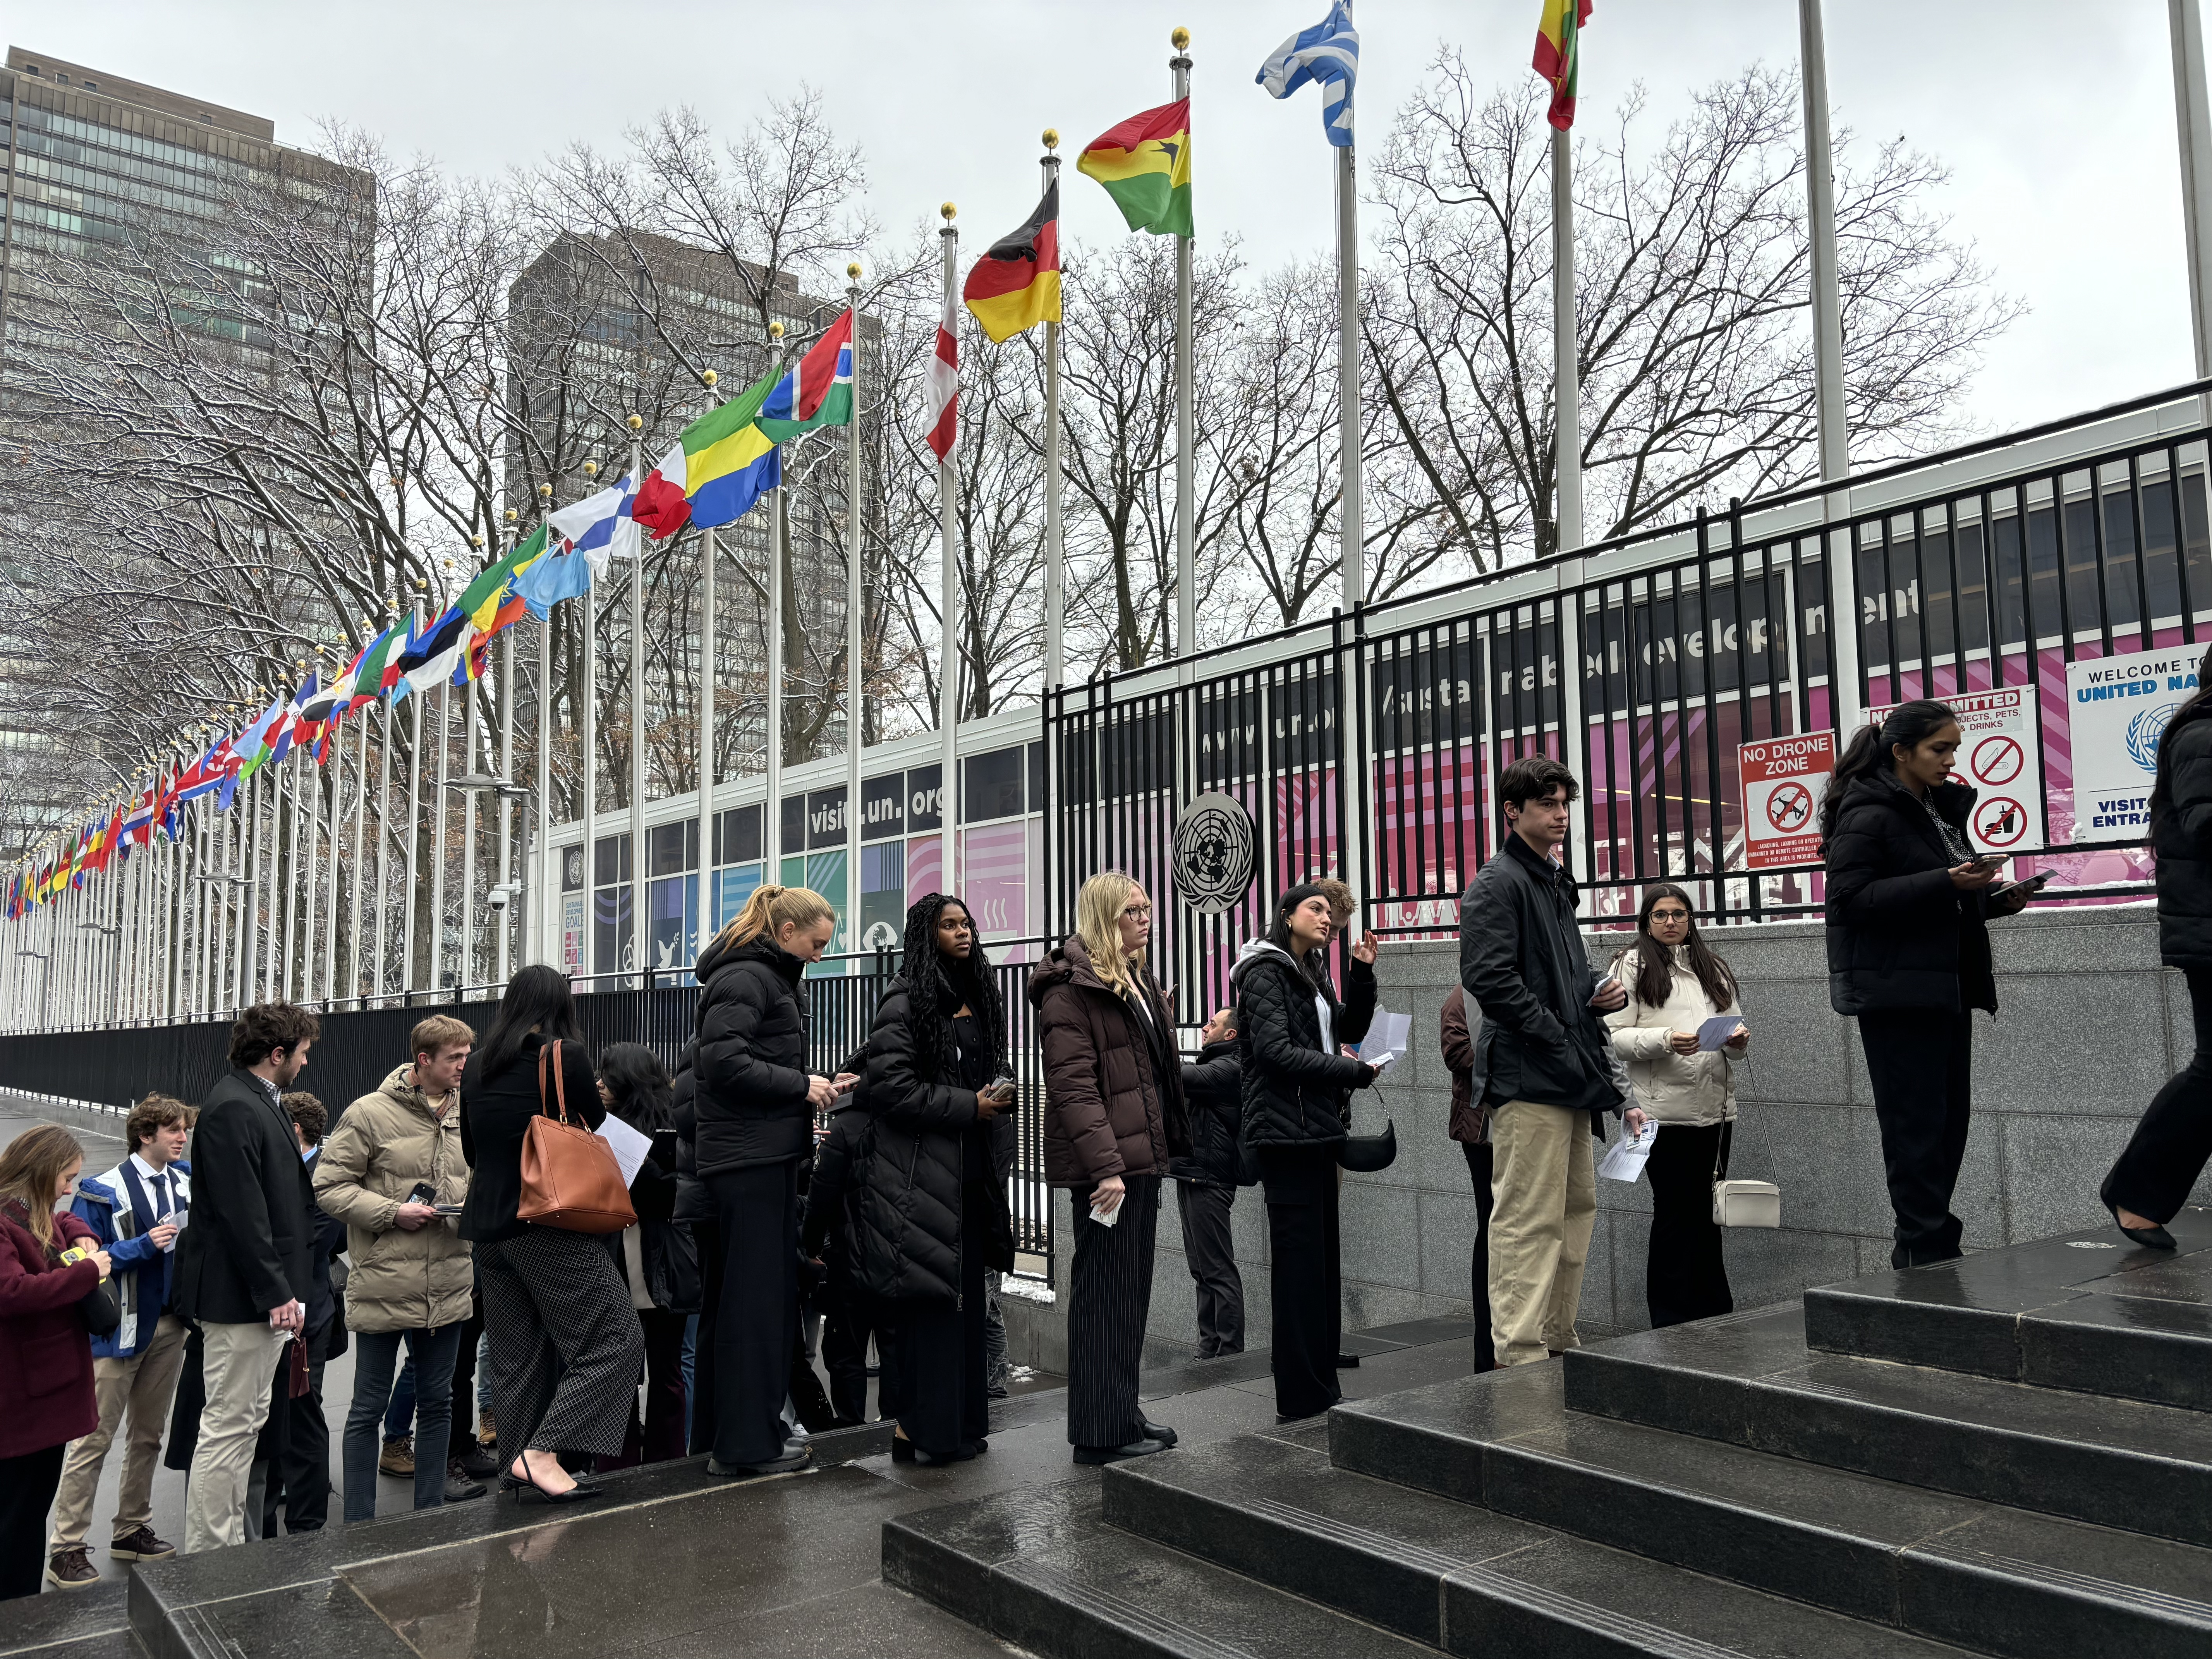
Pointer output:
2143, 733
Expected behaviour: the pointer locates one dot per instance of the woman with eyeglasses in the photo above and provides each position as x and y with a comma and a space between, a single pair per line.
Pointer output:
1113, 1114
1675, 985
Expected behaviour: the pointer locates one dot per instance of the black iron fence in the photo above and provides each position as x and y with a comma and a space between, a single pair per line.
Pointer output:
1367, 746
359, 1047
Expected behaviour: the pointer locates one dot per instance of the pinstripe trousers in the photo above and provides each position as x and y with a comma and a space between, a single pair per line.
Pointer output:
567, 1350
1109, 1295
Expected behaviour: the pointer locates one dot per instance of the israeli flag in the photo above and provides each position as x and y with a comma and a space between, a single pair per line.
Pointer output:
1328, 52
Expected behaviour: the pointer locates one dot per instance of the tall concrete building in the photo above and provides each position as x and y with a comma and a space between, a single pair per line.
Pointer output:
92, 158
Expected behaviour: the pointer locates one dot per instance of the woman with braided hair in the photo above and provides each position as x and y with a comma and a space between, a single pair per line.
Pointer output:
931, 1214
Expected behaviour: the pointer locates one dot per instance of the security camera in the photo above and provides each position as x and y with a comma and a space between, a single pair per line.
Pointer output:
500, 896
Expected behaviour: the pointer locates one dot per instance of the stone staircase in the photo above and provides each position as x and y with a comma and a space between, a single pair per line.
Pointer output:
2009, 1455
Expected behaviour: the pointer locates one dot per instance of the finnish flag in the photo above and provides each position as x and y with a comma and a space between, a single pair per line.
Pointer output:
1328, 52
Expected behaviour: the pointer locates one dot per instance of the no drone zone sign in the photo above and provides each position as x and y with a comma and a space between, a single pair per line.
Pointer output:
1782, 781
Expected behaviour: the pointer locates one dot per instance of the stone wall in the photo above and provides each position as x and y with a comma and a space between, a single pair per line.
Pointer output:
2090, 1026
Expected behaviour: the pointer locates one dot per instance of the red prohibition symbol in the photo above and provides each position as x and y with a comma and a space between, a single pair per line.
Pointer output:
2000, 822
1997, 760
1788, 806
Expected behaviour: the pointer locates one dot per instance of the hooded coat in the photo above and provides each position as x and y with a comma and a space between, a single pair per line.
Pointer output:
749, 1072
380, 1148
923, 1139
1213, 1093
1113, 1082
2181, 834
1899, 934
1296, 1089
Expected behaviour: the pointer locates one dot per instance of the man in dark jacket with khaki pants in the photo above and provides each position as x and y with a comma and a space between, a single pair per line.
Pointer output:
243, 1264
1542, 1064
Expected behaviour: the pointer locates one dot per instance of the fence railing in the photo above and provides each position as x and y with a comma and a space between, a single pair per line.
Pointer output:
359, 1047
1368, 746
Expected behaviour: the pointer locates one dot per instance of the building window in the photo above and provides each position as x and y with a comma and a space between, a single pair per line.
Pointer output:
672, 892
613, 947
205, 117
737, 854
92, 86
60, 80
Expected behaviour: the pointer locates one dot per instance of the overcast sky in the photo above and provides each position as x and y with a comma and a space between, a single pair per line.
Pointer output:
2055, 116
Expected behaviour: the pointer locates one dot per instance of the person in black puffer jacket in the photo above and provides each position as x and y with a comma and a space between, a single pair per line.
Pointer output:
1296, 1100
1907, 911
930, 1214
659, 1260
2168, 1151
752, 1108
1207, 1183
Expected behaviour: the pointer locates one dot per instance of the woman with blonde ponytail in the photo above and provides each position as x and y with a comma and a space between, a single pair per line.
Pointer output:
754, 1102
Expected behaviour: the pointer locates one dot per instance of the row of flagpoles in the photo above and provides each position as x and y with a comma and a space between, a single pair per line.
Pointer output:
163, 936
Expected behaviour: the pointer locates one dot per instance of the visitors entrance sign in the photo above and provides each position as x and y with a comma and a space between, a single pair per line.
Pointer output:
1782, 781
1998, 759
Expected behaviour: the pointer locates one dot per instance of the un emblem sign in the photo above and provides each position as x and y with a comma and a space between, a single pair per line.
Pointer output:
1214, 853
2144, 732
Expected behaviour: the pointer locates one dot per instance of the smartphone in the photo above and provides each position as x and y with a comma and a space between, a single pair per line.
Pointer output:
2032, 885
1988, 860
424, 1193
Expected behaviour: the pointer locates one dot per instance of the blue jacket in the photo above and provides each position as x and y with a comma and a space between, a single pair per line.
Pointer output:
144, 1275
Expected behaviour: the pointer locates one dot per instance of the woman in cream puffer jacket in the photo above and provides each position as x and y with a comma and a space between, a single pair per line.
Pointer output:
1675, 985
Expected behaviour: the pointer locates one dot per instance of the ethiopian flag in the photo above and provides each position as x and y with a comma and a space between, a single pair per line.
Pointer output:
1016, 284
1145, 164
1559, 54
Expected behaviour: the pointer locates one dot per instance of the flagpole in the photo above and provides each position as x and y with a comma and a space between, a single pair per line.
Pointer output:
280, 974
779, 527
637, 767
510, 919
330, 894
541, 893
438, 763
1565, 368
311, 785
948, 674
415, 698
1353, 549
383, 836
1821, 217
354, 930
591, 738
1056, 566
856, 600
710, 640
249, 920
1186, 641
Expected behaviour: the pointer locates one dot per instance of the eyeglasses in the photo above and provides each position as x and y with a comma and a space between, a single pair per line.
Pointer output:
1670, 915
1136, 912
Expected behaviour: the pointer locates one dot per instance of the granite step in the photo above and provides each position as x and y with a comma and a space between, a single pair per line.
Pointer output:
1462, 1579
2088, 1312
1747, 1380
75, 1624
2002, 1581
1040, 1569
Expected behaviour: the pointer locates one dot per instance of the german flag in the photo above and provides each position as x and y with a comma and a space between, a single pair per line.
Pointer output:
1145, 164
1016, 285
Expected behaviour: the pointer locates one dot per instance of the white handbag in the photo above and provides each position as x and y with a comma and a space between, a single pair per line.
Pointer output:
1742, 1203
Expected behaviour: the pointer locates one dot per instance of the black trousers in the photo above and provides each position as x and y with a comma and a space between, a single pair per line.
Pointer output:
27, 1485
2170, 1144
942, 1405
1684, 1276
748, 1323
1478, 1175
1207, 1247
1305, 1286
848, 1319
1920, 1061
461, 1427
1109, 1296
300, 1484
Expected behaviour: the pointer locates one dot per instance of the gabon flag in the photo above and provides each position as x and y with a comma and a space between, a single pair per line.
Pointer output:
1145, 164
1559, 54
1016, 284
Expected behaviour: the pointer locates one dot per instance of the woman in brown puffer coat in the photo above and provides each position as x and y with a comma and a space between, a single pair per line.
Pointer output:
1113, 1115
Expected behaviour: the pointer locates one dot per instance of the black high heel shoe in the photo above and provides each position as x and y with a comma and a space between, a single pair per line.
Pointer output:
519, 1487
2152, 1236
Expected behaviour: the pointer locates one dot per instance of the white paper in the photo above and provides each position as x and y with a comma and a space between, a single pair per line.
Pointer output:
1106, 1218
1624, 1159
1717, 1031
629, 1147
1388, 1035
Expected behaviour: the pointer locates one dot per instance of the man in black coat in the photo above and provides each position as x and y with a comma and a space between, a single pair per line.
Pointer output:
299, 1484
1206, 1183
245, 1265
1542, 1064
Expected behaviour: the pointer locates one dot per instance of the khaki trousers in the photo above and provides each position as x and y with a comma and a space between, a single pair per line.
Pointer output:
143, 1385
1544, 1181
241, 1364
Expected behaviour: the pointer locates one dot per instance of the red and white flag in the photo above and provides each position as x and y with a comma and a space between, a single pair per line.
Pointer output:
943, 422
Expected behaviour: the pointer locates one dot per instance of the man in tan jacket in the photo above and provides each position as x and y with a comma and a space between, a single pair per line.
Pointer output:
392, 1170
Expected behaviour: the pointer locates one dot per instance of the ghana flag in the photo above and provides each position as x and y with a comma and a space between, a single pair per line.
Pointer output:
1145, 164
1016, 284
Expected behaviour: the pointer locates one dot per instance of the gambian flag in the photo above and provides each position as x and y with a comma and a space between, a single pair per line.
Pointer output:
1016, 285
718, 470
1145, 164
818, 391
1559, 54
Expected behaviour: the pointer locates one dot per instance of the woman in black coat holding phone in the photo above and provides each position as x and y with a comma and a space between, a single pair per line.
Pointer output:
1297, 1106
753, 1106
930, 1214
2152, 1180
1908, 906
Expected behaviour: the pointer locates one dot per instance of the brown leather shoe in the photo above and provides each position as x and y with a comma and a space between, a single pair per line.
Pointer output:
71, 1569
140, 1544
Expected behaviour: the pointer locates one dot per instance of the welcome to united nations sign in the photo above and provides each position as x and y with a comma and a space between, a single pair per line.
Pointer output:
2116, 709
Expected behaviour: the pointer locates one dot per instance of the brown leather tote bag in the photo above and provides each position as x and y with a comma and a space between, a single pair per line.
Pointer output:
569, 1176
